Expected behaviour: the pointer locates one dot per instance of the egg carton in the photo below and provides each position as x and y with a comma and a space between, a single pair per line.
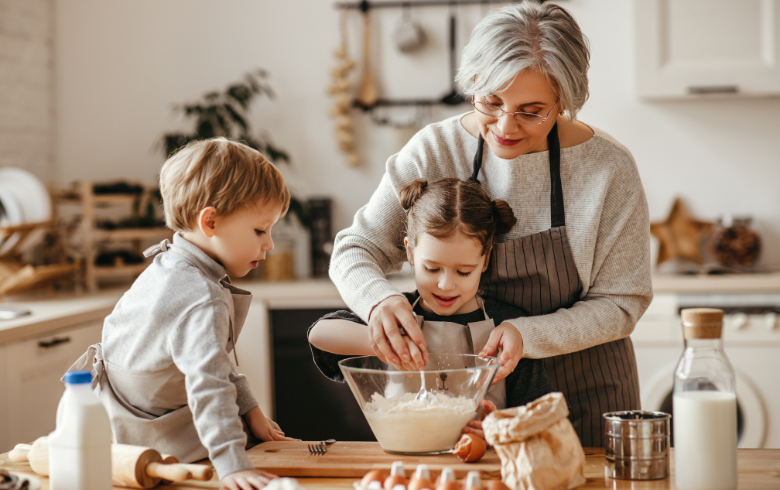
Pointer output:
421, 480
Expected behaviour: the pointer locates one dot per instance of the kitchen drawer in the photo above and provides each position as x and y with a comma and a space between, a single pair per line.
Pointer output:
31, 383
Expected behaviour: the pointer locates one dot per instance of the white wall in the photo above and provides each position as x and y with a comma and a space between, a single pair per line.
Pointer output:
26, 86
121, 65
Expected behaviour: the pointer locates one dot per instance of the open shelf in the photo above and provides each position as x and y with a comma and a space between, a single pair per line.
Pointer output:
133, 234
96, 239
112, 199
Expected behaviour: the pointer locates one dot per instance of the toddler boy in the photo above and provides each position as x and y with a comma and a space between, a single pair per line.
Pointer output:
164, 369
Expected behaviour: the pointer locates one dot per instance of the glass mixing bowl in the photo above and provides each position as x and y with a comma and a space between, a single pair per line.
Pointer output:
420, 412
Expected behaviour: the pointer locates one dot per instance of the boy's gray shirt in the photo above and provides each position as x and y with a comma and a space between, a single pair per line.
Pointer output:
176, 313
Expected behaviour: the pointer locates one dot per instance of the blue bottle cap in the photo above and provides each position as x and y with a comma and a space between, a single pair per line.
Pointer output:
78, 377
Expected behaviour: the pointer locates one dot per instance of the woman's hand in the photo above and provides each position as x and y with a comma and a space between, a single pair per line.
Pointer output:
247, 480
510, 341
475, 426
262, 428
386, 339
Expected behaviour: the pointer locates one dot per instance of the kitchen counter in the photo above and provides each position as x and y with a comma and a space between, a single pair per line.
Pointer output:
49, 314
757, 468
308, 293
62, 311
717, 283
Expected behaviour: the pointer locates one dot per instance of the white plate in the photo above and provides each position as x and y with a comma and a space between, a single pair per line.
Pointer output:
13, 216
29, 191
13, 212
33, 198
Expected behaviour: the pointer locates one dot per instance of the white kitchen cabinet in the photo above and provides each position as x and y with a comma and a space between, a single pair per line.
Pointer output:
698, 48
30, 372
4, 420
255, 356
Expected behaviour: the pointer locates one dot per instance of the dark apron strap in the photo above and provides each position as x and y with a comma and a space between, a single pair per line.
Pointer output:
557, 215
477, 159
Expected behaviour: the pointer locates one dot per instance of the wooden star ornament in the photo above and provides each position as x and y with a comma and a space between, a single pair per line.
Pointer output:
680, 236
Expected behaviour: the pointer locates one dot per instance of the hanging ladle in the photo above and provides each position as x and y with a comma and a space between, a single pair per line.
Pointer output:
452, 98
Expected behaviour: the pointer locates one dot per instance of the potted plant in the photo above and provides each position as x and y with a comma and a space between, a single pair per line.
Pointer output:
225, 113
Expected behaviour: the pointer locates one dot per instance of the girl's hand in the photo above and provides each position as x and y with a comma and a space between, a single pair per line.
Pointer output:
262, 428
510, 341
386, 339
247, 480
416, 354
475, 426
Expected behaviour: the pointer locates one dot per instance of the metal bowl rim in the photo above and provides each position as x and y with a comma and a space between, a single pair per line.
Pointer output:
493, 363
655, 416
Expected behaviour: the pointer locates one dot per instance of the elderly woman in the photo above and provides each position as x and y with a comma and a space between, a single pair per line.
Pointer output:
578, 261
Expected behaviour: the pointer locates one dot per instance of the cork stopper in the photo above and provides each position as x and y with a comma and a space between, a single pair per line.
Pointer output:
702, 323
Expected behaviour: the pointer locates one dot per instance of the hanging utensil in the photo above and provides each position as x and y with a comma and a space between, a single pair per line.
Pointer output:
367, 92
409, 36
341, 89
453, 98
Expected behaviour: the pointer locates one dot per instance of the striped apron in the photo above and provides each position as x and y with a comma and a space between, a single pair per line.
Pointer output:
537, 273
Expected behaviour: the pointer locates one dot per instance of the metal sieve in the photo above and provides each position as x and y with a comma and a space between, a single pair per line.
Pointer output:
637, 445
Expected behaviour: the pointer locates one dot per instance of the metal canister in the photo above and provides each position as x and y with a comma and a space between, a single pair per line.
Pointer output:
637, 445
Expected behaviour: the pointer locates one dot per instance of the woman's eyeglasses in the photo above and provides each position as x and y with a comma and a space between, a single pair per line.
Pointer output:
495, 110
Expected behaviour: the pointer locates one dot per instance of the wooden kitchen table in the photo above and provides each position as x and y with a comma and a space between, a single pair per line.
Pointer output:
758, 469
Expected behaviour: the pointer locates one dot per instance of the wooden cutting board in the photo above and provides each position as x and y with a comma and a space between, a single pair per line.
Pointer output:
355, 459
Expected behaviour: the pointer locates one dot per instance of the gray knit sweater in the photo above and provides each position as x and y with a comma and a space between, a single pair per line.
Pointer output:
607, 224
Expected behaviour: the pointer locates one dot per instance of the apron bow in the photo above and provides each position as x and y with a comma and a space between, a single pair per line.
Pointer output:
163, 246
92, 360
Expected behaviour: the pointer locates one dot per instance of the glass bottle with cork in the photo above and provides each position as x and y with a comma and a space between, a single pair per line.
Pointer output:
705, 406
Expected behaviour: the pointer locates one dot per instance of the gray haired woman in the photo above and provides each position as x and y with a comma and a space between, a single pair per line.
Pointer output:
578, 261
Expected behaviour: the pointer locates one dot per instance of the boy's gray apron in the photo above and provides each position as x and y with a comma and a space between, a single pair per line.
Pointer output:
537, 273
444, 337
166, 422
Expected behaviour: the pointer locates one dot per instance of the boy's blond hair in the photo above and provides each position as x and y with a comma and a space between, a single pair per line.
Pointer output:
220, 173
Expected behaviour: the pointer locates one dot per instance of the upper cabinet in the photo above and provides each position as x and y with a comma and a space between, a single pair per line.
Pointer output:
691, 48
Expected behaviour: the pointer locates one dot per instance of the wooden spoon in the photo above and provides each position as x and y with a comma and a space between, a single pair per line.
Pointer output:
367, 92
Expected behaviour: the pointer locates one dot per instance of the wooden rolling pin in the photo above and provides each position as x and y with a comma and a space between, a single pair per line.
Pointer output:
131, 466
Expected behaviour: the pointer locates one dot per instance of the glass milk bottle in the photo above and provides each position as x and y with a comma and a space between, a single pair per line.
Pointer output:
705, 407
80, 446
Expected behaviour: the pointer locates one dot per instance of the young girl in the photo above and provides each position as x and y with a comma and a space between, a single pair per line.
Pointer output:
450, 229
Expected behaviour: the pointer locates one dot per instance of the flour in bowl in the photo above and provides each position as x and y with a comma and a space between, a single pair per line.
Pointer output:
408, 425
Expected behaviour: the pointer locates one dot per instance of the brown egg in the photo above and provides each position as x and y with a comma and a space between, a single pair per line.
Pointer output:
394, 480
470, 448
420, 484
449, 485
373, 475
496, 485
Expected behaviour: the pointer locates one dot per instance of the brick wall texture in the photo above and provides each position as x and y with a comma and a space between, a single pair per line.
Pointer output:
26, 86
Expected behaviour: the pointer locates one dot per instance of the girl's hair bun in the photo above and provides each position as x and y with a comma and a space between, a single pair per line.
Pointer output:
448, 206
412, 192
503, 216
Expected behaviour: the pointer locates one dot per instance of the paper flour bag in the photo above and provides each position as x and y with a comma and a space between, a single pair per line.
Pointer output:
538, 447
